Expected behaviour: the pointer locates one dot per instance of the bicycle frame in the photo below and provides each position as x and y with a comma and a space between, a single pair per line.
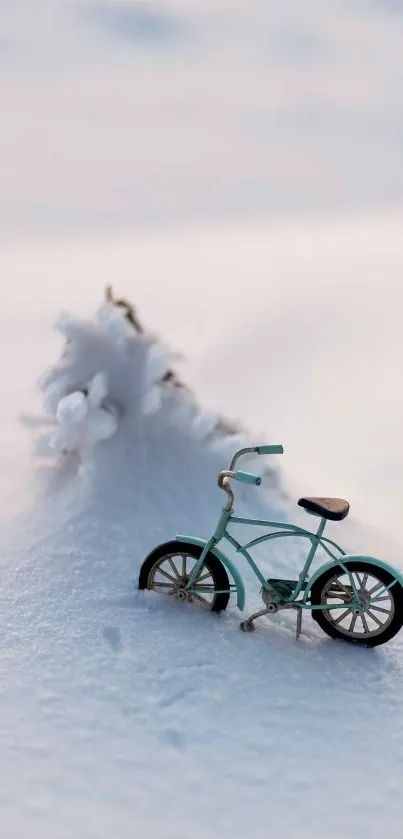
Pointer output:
317, 539
281, 598
282, 530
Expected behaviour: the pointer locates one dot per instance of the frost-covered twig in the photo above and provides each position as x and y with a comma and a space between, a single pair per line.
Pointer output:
112, 370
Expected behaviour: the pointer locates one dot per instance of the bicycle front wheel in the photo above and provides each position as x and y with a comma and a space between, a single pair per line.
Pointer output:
167, 570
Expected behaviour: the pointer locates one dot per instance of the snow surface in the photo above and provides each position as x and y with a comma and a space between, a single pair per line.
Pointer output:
124, 713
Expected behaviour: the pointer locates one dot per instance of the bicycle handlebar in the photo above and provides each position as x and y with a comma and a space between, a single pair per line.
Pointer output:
224, 478
276, 449
248, 478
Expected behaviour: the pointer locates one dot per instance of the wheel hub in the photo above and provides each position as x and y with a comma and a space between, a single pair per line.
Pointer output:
179, 589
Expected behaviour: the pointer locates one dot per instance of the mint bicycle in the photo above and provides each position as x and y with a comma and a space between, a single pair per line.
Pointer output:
354, 598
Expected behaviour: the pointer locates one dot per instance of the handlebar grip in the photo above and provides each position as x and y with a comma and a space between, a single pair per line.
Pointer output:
248, 478
276, 449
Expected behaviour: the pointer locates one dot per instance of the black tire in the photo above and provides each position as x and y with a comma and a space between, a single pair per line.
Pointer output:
321, 593
174, 549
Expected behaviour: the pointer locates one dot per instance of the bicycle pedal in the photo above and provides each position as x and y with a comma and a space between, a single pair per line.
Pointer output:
247, 626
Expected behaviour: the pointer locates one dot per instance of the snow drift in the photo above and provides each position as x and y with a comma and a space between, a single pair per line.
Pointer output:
123, 713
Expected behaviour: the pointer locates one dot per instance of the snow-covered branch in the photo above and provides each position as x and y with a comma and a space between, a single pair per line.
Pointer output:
111, 370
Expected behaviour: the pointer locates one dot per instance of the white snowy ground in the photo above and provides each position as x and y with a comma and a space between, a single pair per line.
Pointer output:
120, 715
125, 715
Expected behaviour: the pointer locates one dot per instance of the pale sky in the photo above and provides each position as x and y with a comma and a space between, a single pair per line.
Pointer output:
117, 112
228, 120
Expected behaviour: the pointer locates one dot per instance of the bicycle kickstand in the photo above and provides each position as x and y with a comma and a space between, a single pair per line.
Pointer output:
299, 623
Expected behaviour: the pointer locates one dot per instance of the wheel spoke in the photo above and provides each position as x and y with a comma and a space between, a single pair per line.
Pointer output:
364, 583
174, 568
342, 616
199, 597
353, 623
342, 586
375, 588
364, 623
204, 577
160, 570
379, 609
374, 617
183, 566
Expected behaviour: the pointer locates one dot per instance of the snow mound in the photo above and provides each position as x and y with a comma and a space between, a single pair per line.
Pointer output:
125, 714
115, 380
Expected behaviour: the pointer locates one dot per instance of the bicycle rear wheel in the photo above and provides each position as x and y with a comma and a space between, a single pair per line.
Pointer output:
380, 615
